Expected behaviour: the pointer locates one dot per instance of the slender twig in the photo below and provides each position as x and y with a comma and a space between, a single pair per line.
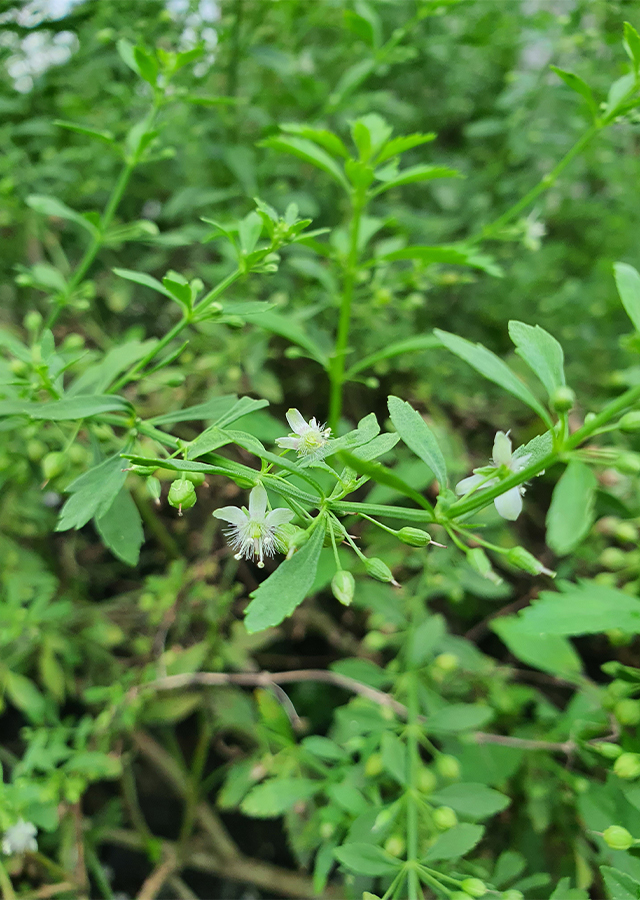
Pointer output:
49, 890
567, 747
153, 883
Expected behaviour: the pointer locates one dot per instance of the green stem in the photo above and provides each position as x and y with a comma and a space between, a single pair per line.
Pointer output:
6, 886
193, 787
413, 766
337, 368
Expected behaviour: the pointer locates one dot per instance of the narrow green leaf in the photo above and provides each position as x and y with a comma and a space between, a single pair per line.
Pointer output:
309, 152
120, 528
144, 279
618, 92
418, 437
26, 697
455, 843
287, 587
277, 795
459, 717
582, 608
126, 54
92, 493
147, 64
97, 378
493, 368
397, 348
366, 859
416, 173
322, 136
211, 409
571, 513
394, 757
541, 352
82, 407
50, 206
628, 284
425, 253
292, 330
550, 653
104, 136
401, 144
249, 231
474, 801
579, 86
632, 44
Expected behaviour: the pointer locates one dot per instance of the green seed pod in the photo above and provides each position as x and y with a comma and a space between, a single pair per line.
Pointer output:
448, 766
182, 494
480, 563
607, 749
143, 471
617, 837
474, 887
630, 422
627, 766
562, 399
628, 463
54, 464
415, 537
343, 586
627, 712
376, 568
196, 478
524, 560
444, 818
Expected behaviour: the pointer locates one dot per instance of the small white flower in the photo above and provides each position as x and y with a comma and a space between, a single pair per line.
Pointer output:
308, 438
254, 532
509, 504
20, 837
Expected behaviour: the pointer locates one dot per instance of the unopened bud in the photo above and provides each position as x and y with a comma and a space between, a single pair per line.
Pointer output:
563, 399
607, 749
395, 845
627, 766
427, 781
628, 463
182, 494
373, 768
53, 464
474, 887
444, 818
627, 711
32, 321
448, 766
524, 560
479, 562
415, 537
144, 471
196, 478
343, 586
630, 422
617, 837
154, 488
380, 570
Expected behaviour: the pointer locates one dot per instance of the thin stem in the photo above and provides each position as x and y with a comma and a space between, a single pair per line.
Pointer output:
6, 886
413, 765
337, 368
193, 787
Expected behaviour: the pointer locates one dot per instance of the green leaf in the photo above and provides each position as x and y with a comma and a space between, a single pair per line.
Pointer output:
49, 206
309, 152
418, 437
146, 63
366, 431
120, 528
94, 764
618, 92
97, 378
25, 696
455, 842
571, 513
277, 795
541, 352
105, 136
362, 670
322, 136
401, 144
493, 368
290, 329
397, 348
324, 748
92, 493
365, 859
210, 409
249, 231
564, 891
474, 801
631, 44
459, 717
549, 652
82, 407
413, 174
425, 253
126, 54
582, 608
286, 588
144, 279
378, 446
628, 284
394, 757
620, 885
579, 86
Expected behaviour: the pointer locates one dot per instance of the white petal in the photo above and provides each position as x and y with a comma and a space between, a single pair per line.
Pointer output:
518, 463
467, 484
278, 517
257, 503
509, 504
288, 443
232, 514
502, 449
296, 422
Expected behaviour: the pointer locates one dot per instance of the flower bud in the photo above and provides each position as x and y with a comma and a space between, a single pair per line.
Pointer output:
154, 487
607, 749
627, 711
628, 463
524, 560
479, 562
32, 321
415, 537
196, 478
343, 586
626, 532
380, 570
446, 663
617, 838
448, 766
630, 422
36, 450
562, 399
373, 765
54, 464
19, 367
143, 471
427, 781
512, 894
474, 887
395, 845
627, 766
613, 558
182, 494
444, 818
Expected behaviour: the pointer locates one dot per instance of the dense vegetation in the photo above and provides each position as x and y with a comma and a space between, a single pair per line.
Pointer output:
247, 653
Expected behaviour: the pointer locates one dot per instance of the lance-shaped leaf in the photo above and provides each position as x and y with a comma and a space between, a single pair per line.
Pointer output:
416, 173
571, 513
628, 284
541, 352
579, 86
493, 368
50, 206
81, 407
309, 152
287, 587
455, 842
418, 437
92, 493
120, 528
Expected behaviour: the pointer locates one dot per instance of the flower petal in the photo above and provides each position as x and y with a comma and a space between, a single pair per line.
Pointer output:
509, 504
278, 517
296, 421
468, 484
231, 514
257, 503
502, 449
288, 443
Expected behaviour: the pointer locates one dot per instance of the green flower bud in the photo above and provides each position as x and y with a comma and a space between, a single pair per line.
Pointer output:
19, 367
562, 399
524, 560
448, 766
630, 422
36, 450
373, 765
143, 471
327, 830
617, 837
446, 662
427, 781
415, 537
613, 558
512, 894
32, 321
474, 887
479, 562
196, 478
53, 464
380, 570
607, 749
182, 494
343, 586
154, 487
627, 712
395, 845
628, 463
626, 532
444, 818
627, 766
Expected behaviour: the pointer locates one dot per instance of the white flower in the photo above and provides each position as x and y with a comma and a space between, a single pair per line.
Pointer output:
20, 837
254, 532
509, 504
308, 438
